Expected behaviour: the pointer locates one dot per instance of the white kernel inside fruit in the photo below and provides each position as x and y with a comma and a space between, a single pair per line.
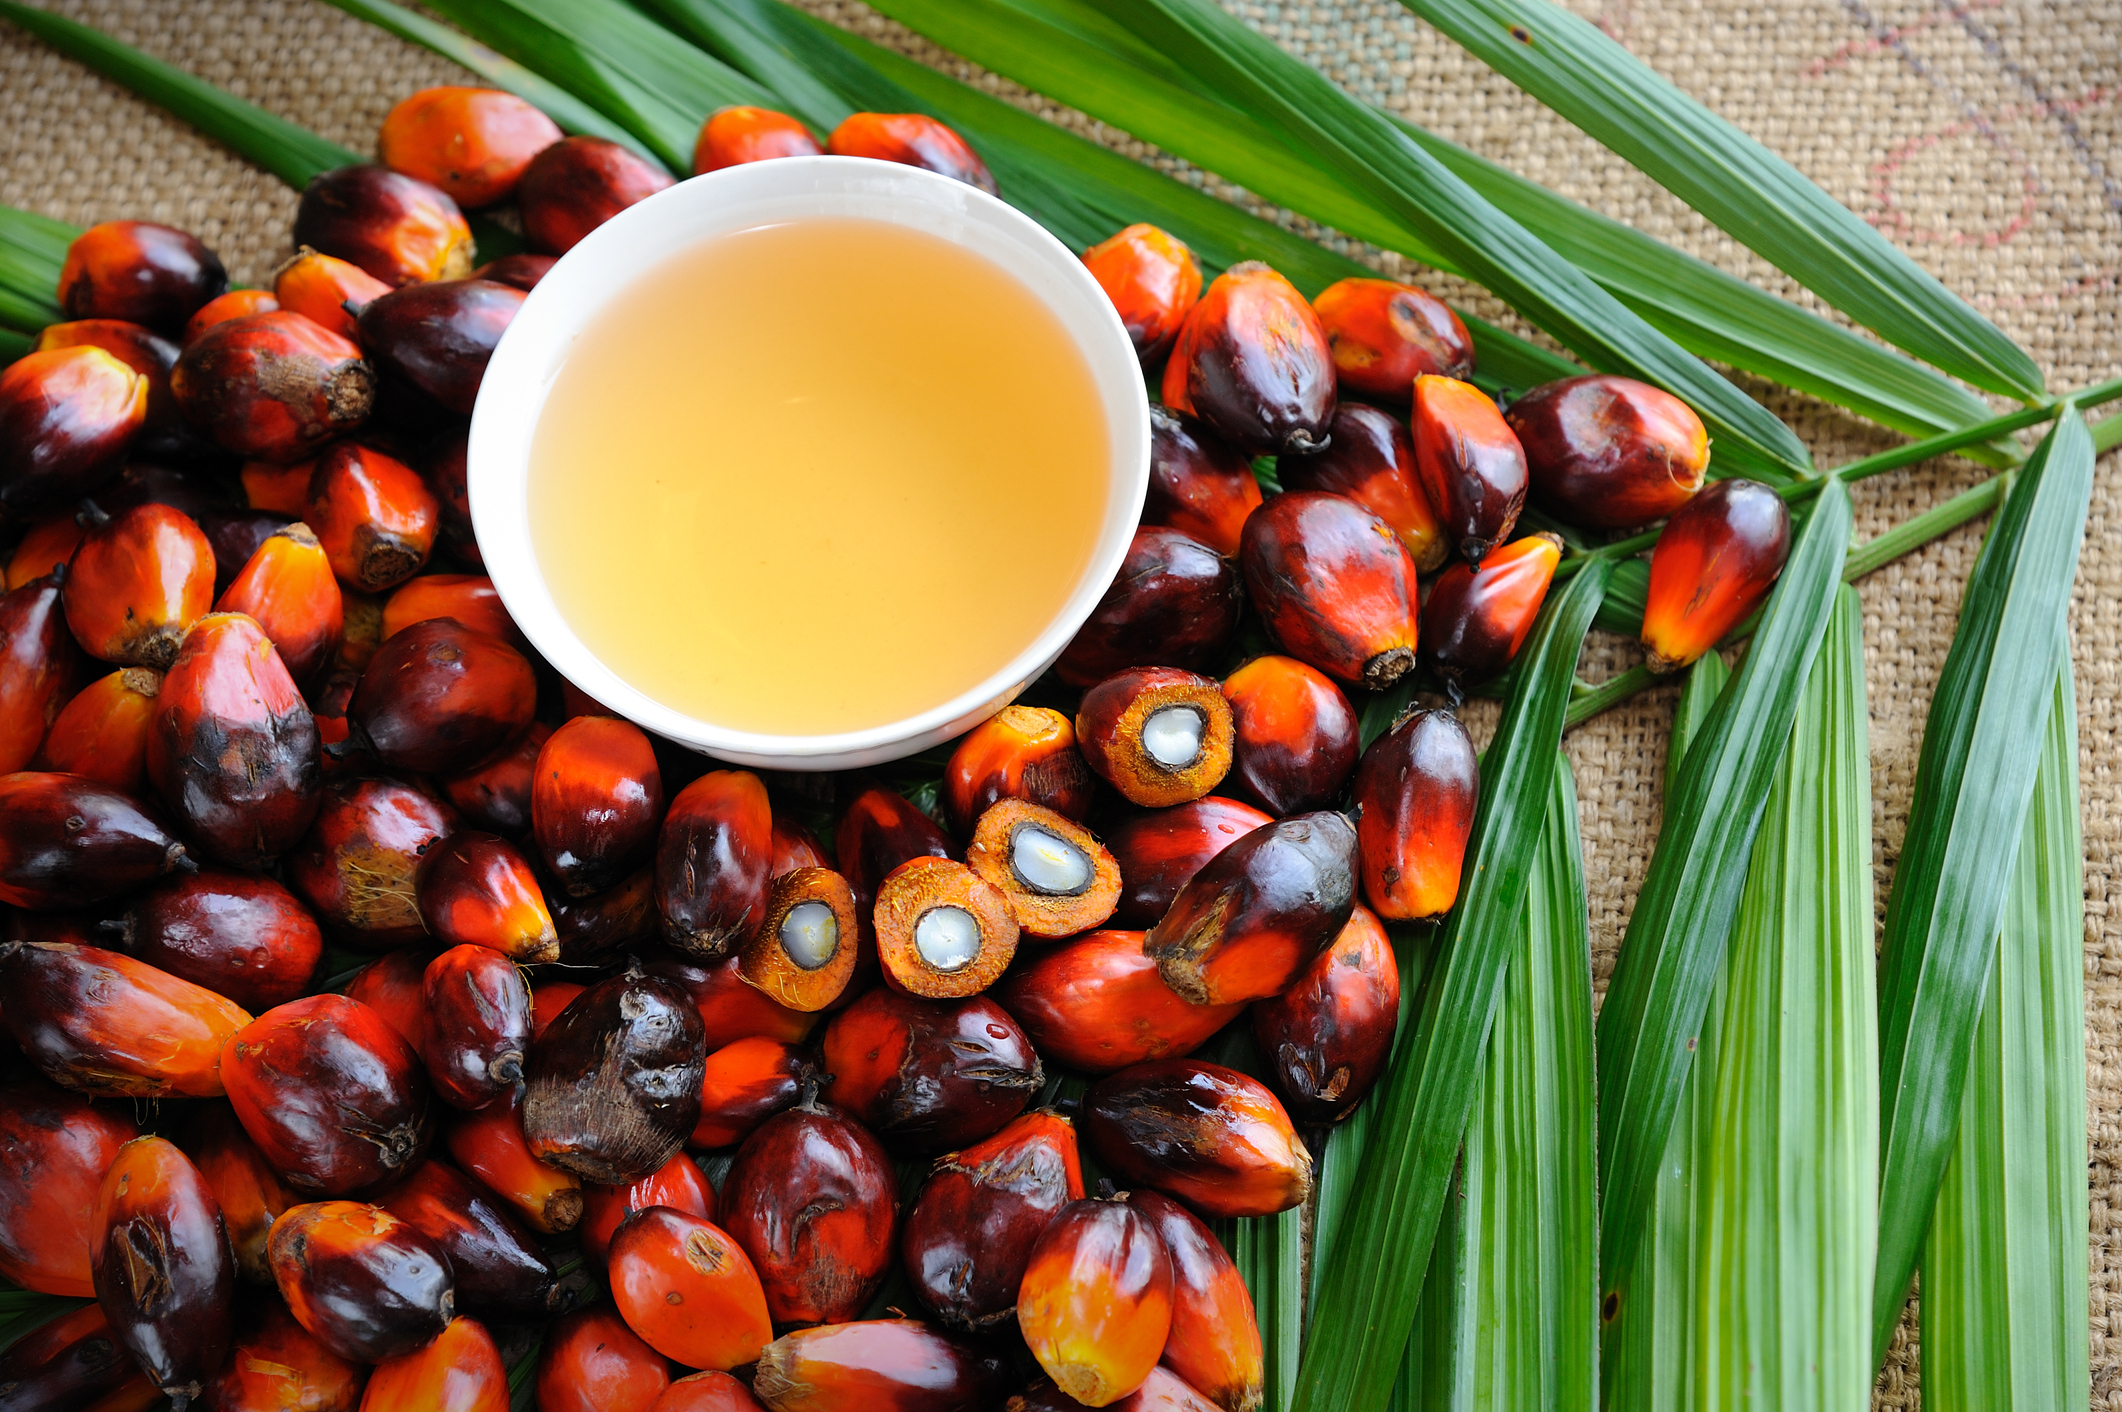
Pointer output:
947, 938
1047, 862
810, 934
1172, 735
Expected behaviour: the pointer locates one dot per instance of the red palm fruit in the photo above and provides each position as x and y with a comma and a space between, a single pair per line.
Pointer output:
396, 227
795, 846
521, 271
942, 930
1476, 619
476, 890
741, 133
578, 184
235, 535
365, 1284
469, 598
232, 748
713, 858
1714, 563
1372, 461
236, 304
447, 474
277, 1365
440, 696
374, 516
439, 337
911, 140
1096, 1003
239, 935
1159, 851
548, 999
472, 143
38, 667
1472, 467
395, 987
1174, 602
614, 1085
1609, 452
1385, 334
1252, 362
331, 1094
1333, 585
1162, 1391
803, 953
1096, 1303
1159, 735
971, 1230
574, 701
139, 348
138, 581
688, 1289
1255, 915
729, 1009
878, 1365
49, 861
478, 1024
356, 866
1214, 1345
273, 386
247, 1190
498, 1267
1152, 279
67, 417
1198, 485
460, 1371
592, 1362
497, 795
49, 544
746, 1082
320, 287
1058, 878
706, 1392
106, 1025
678, 1184
55, 1147
1415, 790
1327, 1037
280, 490
812, 1200
605, 925
596, 801
1294, 735
879, 830
929, 1075
1020, 752
163, 1270
490, 1146
138, 271
66, 1363
1211, 1136
287, 588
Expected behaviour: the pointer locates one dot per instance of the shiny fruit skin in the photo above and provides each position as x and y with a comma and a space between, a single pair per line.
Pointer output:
1476, 619
106, 1025
706, 1392
1159, 851
322, 287
1096, 1303
613, 1086
447, 472
1210, 1136
712, 860
548, 999
471, 143
138, 271
1097, 1004
1214, 1344
49, 861
576, 185
438, 337
364, 1283
929, 1075
1252, 361
489, 1146
1198, 485
398, 228
287, 588
356, 866
744, 1083
1174, 602
1472, 467
1372, 461
220, 309
247, 1190
47, 544
1326, 1038
39, 664
498, 1267
440, 696
65, 1363
678, 1184
1416, 789
373, 515
740, 133
878, 1365
521, 271
1714, 563
331, 1094
460, 1371
1112, 721
146, 353
730, 1009
277, 1365
469, 598
912, 140
163, 1270
687, 1288
795, 846
55, 1147
1609, 453
965, 1243
592, 1362
239, 935
596, 802
1333, 585
813, 1201
474, 889
879, 830
598, 929
497, 795
395, 987
1020, 752
478, 1027
138, 580
67, 418
1294, 735
1152, 279
273, 386
1385, 334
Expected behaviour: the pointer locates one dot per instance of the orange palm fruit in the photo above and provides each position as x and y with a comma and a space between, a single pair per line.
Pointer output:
1371, 460
706, 1392
729, 1008
576, 185
395, 987
273, 386
238, 934
490, 1146
803, 953
163, 1270
912, 140
1333, 585
106, 1025
102, 733
1020, 752
1609, 452
235, 535
877, 1365
1214, 1343
440, 696
144, 351
472, 143
971, 1230
1472, 467
1210, 1136
1198, 485
436, 339
398, 228
287, 588
1293, 735
38, 667
678, 1184
1152, 279
1159, 735
1175, 602
276, 1365
68, 1362
48, 544
596, 801
746, 1082
280, 490
548, 999
476, 890
365, 1284
1162, 1391
603, 926
478, 1025
1249, 922
1714, 563
1096, 1304
319, 288
496, 796
1476, 619
1159, 851
712, 860
942, 930
246, 1188
688, 1290
592, 1362
138, 271
929, 1075
1415, 790
1096, 1003
880, 829
741, 133
460, 1371
1058, 878
374, 516
364, 631
1385, 334
235, 304
1252, 361
356, 866
498, 1266
612, 1089
469, 598
139, 579
66, 841
55, 1147
1327, 1037
813, 1201
67, 418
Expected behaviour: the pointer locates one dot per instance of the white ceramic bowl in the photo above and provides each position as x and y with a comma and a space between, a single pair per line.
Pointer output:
621, 250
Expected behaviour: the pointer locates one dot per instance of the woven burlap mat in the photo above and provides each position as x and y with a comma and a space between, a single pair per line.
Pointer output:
1982, 135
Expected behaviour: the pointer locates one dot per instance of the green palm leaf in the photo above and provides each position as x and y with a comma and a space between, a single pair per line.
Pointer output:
32, 252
